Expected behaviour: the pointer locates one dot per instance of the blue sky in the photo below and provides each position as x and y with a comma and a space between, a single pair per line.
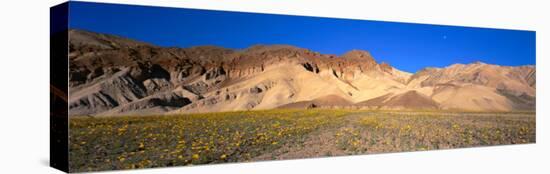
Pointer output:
408, 47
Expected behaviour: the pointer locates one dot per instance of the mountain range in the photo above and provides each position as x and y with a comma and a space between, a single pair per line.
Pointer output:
111, 75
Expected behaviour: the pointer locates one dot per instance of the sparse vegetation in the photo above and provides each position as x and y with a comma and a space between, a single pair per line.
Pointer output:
155, 141
394, 132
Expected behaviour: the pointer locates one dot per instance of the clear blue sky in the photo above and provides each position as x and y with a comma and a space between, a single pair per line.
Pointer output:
409, 47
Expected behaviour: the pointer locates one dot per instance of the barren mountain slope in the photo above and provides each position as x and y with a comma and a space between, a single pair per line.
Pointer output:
479, 86
111, 75
406, 100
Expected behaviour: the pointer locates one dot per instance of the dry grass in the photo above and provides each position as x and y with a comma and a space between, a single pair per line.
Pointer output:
395, 131
156, 141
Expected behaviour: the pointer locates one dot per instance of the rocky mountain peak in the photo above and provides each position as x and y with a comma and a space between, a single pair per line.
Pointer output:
102, 41
479, 63
358, 55
265, 49
386, 67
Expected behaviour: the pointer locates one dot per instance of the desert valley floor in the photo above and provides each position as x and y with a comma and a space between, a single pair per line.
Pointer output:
101, 143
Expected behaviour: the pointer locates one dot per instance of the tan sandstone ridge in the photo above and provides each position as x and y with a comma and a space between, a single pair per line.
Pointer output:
110, 75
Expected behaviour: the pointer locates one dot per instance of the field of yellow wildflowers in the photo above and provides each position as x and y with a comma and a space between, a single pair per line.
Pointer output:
190, 139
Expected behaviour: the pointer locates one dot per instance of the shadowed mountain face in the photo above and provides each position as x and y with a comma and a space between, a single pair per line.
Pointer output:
110, 75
